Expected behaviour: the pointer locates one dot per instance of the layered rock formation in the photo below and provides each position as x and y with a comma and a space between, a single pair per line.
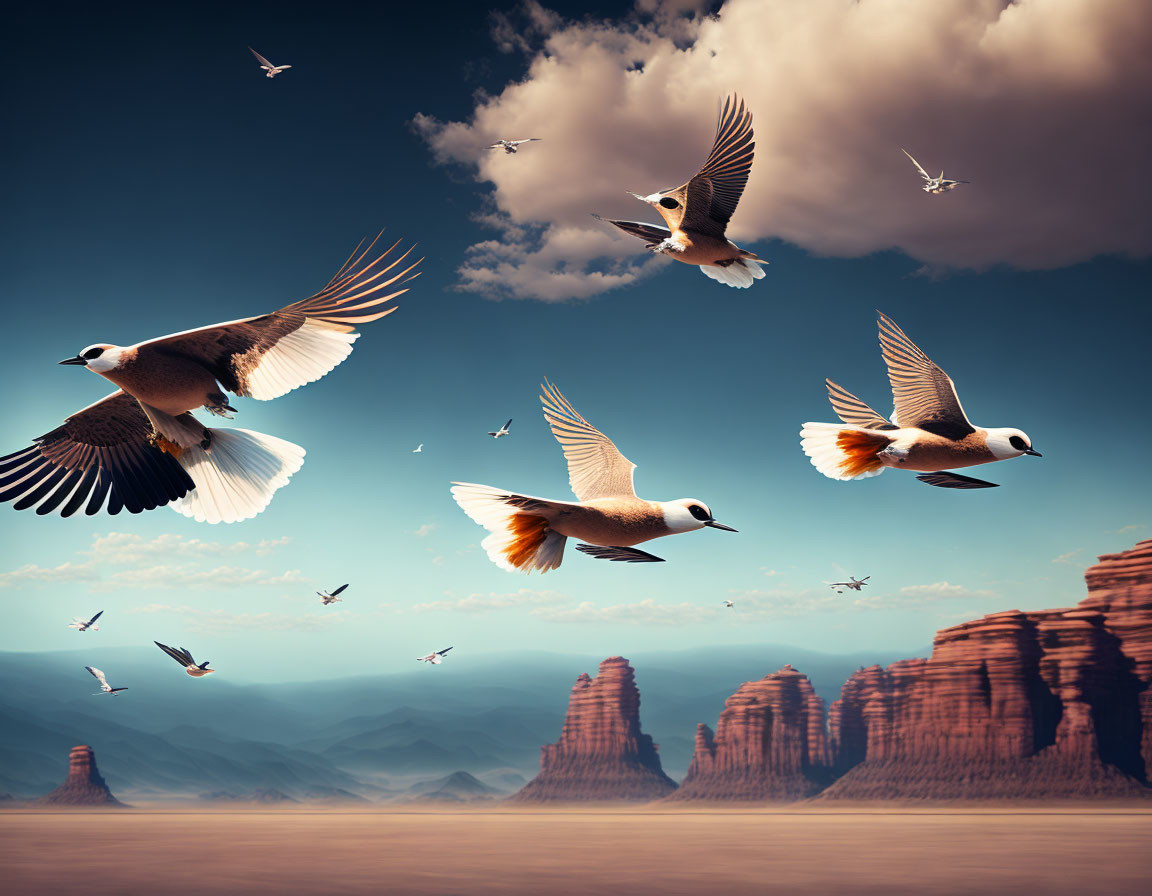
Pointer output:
770, 744
1032, 705
84, 786
602, 754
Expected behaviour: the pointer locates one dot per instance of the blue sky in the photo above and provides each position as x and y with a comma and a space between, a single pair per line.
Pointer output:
159, 183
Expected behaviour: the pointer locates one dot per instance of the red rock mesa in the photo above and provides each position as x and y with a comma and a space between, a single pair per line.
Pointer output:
84, 786
770, 744
602, 754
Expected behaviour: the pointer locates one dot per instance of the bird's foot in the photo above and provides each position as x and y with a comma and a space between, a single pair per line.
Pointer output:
164, 445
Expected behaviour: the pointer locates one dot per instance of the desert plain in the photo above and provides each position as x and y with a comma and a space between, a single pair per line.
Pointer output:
943, 851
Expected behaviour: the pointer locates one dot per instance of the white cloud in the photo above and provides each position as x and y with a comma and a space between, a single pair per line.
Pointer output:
918, 595
1034, 102
486, 603
1135, 527
425, 530
185, 576
208, 621
1069, 558
122, 548
35, 576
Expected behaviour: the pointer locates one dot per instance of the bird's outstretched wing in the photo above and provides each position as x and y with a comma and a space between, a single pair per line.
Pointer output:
442, 652
924, 395
955, 480
98, 675
924, 174
852, 410
265, 357
182, 656
623, 555
263, 62
596, 468
709, 199
338, 590
650, 233
94, 618
100, 457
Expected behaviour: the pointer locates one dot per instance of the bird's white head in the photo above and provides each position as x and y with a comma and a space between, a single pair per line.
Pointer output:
1005, 443
99, 358
688, 514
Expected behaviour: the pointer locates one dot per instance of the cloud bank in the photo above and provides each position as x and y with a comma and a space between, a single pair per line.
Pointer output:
1045, 105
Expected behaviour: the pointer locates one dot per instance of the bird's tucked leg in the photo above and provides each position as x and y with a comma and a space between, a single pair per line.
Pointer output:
184, 430
217, 404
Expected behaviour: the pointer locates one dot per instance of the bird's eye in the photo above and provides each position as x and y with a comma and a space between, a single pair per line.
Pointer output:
699, 512
669, 202
92, 353
1018, 443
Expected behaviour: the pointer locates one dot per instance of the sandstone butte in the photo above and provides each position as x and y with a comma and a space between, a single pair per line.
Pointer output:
602, 754
84, 785
770, 744
1037, 705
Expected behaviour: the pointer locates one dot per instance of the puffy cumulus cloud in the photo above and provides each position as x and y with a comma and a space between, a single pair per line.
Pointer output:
33, 576
188, 576
644, 612
919, 595
1043, 104
123, 548
197, 620
487, 603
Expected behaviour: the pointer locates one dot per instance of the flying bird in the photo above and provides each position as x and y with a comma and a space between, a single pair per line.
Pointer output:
434, 658
419, 449
854, 584
327, 597
83, 625
502, 431
529, 533
184, 658
934, 185
697, 213
140, 447
105, 688
928, 432
728, 603
509, 146
270, 70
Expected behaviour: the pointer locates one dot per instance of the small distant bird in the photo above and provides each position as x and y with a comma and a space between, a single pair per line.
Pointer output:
327, 597
529, 533
502, 431
929, 430
82, 625
509, 146
698, 212
419, 449
270, 70
935, 185
184, 658
434, 658
854, 584
728, 603
105, 688
140, 447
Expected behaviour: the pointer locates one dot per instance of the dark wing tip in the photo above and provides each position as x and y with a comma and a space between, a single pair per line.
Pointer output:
954, 480
622, 555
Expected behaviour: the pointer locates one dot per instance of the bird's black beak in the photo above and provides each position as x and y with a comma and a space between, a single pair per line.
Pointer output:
715, 525
76, 360
1033, 453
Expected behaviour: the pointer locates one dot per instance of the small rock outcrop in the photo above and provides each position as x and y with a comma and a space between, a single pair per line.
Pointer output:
84, 785
1047, 704
602, 754
770, 744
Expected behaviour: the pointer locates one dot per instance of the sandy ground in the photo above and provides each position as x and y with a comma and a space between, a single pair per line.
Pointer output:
556, 853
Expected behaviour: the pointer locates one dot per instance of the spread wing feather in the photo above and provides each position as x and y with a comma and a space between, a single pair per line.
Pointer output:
710, 198
852, 410
651, 233
100, 457
596, 468
924, 395
265, 357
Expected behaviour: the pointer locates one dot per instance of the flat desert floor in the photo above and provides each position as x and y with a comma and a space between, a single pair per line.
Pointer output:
556, 853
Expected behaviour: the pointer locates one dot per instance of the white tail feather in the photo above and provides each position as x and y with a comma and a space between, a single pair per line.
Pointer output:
741, 273
303, 356
487, 506
237, 476
819, 441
